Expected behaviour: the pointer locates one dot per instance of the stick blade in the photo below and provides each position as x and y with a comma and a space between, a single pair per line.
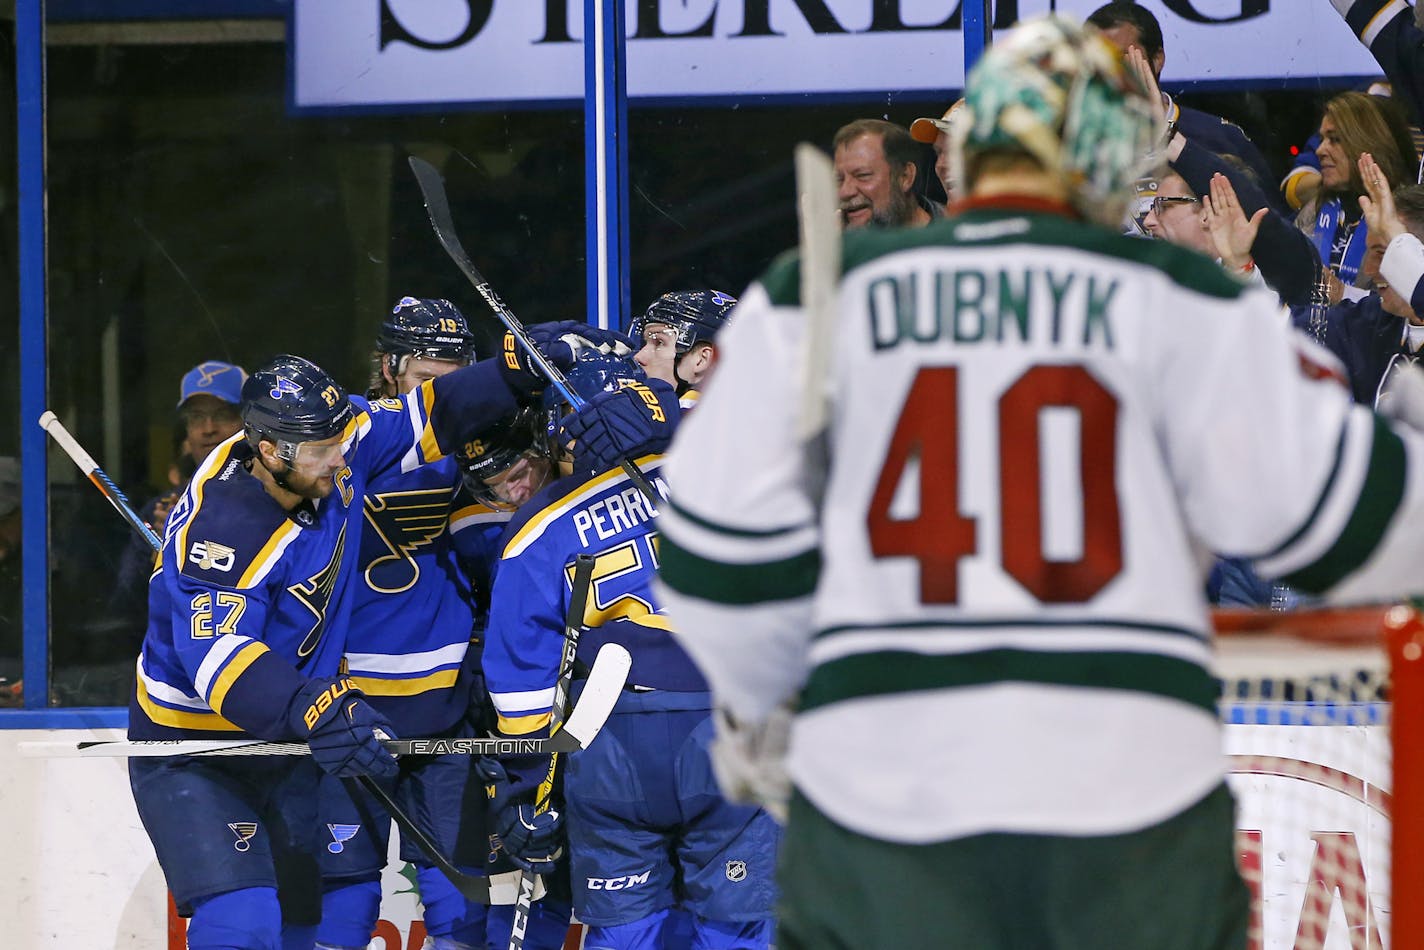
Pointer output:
818, 214
601, 690
437, 206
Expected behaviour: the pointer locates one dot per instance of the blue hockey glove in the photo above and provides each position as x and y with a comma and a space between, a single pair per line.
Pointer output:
612, 426
341, 728
560, 342
531, 839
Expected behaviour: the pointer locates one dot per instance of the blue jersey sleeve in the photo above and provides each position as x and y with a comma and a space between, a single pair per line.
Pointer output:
524, 642
427, 423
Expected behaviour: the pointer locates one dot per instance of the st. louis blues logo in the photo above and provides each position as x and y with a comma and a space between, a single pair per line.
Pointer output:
404, 302
340, 835
284, 386
209, 372
245, 830
721, 300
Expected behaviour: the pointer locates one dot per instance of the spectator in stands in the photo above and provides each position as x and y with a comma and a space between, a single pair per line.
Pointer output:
1394, 35
935, 133
1128, 26
877, 174
1285, 257
1381, 333
208, 399
1176, 215
1303, 180
1354, 123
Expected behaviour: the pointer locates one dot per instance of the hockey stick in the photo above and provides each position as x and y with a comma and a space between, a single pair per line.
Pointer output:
437, 206
820, 233
573, 628
473, 887
601, 690
51, 424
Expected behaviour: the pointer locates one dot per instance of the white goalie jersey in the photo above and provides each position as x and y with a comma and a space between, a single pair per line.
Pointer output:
982, 585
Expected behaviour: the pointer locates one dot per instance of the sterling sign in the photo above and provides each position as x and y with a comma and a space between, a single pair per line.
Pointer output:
390, 53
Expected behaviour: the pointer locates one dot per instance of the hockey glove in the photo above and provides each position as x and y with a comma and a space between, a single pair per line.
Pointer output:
560, 342
612, 426
531, 839
749, 760
343, 730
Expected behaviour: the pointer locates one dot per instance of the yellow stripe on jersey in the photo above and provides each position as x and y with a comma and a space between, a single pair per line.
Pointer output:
236, 666
429, 448
260, 564
656, 621
213, 463
379, 686
178, 718
523, 725
536, 525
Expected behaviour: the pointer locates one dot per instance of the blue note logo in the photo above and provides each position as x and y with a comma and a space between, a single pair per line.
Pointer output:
284, 387
245, 831
340, 835
211, 556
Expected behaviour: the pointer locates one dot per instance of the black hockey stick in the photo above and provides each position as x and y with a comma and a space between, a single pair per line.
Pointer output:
437, 206
601, 690
573, 628
473, 887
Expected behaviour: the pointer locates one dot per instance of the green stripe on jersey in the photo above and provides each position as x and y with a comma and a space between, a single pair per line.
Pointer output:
730, 531
1379, 501
889, 672
737, 584
1187, 269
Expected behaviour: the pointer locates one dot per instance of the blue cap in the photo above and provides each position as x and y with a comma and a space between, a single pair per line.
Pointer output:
213, 378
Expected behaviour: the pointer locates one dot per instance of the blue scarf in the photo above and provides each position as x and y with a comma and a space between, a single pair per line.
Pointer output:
1327, 222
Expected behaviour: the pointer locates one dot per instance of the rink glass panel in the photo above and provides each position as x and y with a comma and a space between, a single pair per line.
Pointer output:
194, 216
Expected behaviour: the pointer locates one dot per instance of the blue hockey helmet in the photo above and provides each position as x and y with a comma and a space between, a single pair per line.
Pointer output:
426, 327
594, 372
694, 315
291, 400
495, 451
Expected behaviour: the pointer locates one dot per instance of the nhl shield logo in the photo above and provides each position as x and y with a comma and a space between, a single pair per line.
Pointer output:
340, 835
245, 830
736, 871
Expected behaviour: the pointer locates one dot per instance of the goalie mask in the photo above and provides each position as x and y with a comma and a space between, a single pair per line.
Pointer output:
1064, 95
292, 401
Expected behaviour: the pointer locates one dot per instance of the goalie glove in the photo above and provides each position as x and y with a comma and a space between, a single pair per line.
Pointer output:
749, 760
530, 838
638, 419
561, 343
342, 729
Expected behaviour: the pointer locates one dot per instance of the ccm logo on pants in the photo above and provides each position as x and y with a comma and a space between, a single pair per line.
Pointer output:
618, 883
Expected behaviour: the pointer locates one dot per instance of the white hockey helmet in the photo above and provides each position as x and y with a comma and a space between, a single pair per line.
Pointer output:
1061, 93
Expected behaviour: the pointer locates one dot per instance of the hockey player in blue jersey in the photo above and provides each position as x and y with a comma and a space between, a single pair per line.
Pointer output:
648, 830
248, 615
676, 335
409, 650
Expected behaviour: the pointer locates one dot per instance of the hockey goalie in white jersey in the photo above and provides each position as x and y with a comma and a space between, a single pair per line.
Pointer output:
980, 586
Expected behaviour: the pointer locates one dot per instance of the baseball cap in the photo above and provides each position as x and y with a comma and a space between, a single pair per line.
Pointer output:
926, 129
213, 378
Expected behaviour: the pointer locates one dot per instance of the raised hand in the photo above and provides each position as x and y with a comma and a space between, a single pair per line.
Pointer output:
1137, 62
1231, 232
1378, 202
